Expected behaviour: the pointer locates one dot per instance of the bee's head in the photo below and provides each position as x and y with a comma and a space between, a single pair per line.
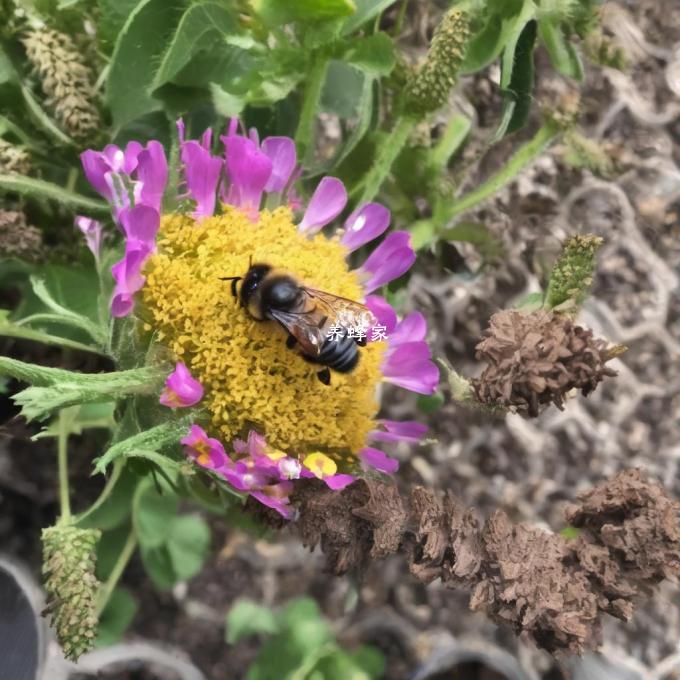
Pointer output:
249, 294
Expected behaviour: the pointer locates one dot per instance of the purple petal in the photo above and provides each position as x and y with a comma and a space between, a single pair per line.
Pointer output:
383, 312
392, 258
379, 460
339, 481
409, 366
249, 170
152, 173
92, 230
181, 130
128, 277
279, 504
412, 328
202, 173
131, 156
365, 224
181, 388
281, 152
327, 202
410, 431
141, 225
96, 166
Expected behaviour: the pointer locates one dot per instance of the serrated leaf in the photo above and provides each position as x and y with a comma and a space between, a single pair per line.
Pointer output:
116, 617
249, 618
188, 544
373, 54
138, 48
202, 28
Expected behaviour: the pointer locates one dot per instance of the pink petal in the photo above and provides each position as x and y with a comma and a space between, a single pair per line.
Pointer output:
412, 328
392, 258
379, 460
339, 481
248, 169
152, 172
365, 224
95, 166
281, 152
202, 173
410, 431
92, 230
327, 202
141, 225
383, 312
409, 366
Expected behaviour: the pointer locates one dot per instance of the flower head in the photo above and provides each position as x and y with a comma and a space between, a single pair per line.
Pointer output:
275, 420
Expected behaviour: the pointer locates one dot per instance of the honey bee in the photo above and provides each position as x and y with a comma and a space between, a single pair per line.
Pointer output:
323, 325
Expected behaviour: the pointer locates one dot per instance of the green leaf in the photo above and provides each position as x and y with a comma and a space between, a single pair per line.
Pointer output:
370, 660
517, 81
153, 514
202, 28
116, 507
249, 618
188, 544
114, 14
158, 565
342, 90
486, 242
37, 188
563, 54
366, 11
275, 12
430, 403
7, 72
138, 49
374, 54
225, 103
116, 617
531, 302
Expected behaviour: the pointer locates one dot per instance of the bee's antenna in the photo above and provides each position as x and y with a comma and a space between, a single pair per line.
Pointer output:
234, 280
250, 261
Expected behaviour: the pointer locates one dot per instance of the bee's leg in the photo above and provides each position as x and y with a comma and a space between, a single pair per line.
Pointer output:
361, 342
322, 323
324, 375
290, 341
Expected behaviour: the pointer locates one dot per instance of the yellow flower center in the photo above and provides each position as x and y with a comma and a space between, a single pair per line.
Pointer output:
251, 380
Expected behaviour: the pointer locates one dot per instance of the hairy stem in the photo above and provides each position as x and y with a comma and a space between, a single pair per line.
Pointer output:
520, 160
310, 105
106, 492
454, 135
389, 150
62, 462
116, 572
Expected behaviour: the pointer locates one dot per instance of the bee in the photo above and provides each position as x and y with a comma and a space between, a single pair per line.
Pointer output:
321, 324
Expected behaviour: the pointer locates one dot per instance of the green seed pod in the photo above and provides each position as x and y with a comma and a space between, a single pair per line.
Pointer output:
70, 583
429, 87
65, 79
572, 274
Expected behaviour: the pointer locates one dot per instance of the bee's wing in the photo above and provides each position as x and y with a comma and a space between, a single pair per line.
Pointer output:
306, 327
342, 311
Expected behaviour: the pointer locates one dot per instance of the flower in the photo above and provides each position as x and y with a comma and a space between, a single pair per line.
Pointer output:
92, 230
251, 383
181, 389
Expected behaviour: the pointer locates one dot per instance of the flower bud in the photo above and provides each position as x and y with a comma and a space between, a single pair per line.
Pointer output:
71, 586
428, 88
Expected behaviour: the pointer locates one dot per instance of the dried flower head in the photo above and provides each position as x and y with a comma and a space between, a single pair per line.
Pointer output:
428, 88
263, 419
14, 158
65, 79
537, 358
69, 558
18, 239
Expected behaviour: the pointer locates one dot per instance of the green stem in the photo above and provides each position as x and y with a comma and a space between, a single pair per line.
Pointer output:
520, 160
62, 462
9, 330
116, 572
310, 104
106, 492
389, 150
456, 131
399, 23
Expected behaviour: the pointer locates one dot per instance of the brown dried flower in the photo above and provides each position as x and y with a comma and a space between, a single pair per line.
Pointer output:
537, 358
18, 239
66, 80
14, 158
